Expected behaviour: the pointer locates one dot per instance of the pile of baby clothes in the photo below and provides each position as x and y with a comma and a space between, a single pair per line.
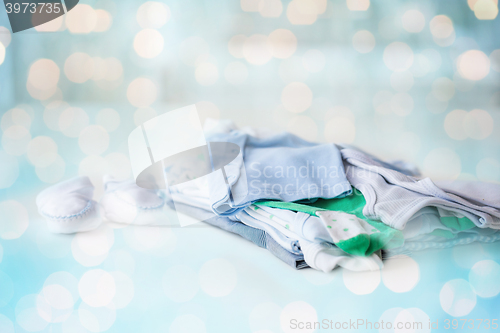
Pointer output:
310, 204
327, 205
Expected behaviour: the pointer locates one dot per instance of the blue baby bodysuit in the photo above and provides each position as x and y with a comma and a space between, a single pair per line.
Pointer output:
283, 167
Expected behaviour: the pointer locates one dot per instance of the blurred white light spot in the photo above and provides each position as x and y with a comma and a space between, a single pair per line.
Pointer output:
283, 43
401, 274
361, 283
141, 92
194, 50
236, 73
42, 151
9, 170
72, 121
27, 314
402, 81
15, 116
2, 53
97, 319
443, 89
15, 140
363, 41
270, 8
488, 170
5, 36
235, 45
358, 5
79, 67
81, 20
398, 56
304, 127
441, 26
296, 97
180, 283
413, 21
478, 124
250, 5
484, 278
15, 219
486, 9
206, 74
93, 140
314, 61
97, 288
104, 20
402, 104
453, 124
473, 65
109, 119
217, 277
148, 43
302, 12
43, 75
442, 164
340, 130
187, 323
457, 298
55, 303
257, 49
6, 326
299, 311
144, 114
153, 15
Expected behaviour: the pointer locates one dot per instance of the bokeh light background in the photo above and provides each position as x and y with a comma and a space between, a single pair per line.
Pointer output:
412, 80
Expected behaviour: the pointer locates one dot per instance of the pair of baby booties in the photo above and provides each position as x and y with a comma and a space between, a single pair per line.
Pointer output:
68, 206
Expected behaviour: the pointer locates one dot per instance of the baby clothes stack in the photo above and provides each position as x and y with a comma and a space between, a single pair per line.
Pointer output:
310, 204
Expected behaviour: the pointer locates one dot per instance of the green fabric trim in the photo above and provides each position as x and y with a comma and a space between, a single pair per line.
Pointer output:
455, 223
357, 245
443, 233
385, 238
296, 207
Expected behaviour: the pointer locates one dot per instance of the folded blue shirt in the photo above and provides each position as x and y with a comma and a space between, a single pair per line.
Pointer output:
255, 235
283, 167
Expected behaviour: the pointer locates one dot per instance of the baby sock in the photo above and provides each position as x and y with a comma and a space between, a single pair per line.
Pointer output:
125, 202
348, 232
68, 206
